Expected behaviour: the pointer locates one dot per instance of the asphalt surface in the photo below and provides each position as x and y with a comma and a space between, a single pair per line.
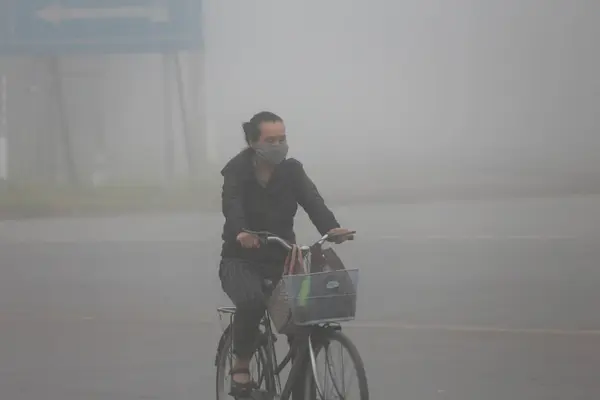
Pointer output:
465, 300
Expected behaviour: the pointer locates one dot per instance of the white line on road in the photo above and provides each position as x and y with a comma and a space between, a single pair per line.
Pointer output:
480, 237
211, 320
472, 329
6, 238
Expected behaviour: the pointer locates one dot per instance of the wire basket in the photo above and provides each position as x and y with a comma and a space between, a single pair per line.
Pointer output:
322, 297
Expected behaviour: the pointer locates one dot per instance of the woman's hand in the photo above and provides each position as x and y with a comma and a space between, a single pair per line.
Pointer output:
340, 235
248, 240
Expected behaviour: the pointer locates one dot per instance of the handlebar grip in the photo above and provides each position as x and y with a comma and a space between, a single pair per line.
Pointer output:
334, 237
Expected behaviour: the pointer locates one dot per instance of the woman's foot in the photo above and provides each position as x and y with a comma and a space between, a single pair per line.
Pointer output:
242, 384
240, 375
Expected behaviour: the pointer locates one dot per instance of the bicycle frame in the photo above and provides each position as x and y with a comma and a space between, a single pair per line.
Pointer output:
302, 350
301, 353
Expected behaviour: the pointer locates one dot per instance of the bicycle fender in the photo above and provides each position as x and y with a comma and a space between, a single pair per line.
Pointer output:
221, 344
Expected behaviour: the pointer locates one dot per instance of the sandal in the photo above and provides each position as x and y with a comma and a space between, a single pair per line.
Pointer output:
242, 390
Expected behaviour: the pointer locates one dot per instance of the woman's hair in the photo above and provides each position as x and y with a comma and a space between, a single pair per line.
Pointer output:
252, 127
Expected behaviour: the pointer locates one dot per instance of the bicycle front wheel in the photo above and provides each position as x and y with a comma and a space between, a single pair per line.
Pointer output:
336, 359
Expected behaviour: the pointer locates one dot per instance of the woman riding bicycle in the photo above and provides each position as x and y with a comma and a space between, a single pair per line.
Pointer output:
261, 192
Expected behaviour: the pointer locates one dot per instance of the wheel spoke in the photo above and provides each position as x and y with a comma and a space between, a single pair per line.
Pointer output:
327, 375
340, 390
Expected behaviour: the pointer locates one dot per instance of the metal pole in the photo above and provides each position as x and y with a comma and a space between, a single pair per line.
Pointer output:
169, 144
205, 137
3, 128
63, 124
188, 145
100, 167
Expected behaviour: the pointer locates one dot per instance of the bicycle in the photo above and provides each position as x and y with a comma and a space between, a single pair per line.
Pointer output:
310, 339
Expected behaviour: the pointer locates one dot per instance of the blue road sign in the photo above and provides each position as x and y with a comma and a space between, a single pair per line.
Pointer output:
55, 27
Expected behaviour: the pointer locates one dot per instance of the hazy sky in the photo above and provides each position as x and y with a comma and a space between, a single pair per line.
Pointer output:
464, 84
426, 80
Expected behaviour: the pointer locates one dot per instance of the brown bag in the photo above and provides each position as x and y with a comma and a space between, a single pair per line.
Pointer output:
279, 308
323, 259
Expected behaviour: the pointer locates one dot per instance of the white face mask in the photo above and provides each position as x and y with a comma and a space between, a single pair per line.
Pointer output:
273, 153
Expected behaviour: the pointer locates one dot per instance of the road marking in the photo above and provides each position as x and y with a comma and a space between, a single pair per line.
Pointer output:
472, 329
480, 237
212, 321
6, 238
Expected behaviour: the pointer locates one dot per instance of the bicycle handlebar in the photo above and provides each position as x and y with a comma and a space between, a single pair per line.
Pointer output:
268, 237
276, 239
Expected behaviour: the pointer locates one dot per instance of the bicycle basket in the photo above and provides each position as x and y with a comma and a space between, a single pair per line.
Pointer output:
322, 297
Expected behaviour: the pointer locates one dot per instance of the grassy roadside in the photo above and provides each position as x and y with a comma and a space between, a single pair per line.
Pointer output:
28, 201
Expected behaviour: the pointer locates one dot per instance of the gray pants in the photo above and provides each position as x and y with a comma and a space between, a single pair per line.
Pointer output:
243, 282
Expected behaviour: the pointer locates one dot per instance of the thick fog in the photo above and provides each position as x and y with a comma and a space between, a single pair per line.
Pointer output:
428, 89
423, 84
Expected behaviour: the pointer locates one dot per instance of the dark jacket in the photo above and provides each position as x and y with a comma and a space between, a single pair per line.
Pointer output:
248, 205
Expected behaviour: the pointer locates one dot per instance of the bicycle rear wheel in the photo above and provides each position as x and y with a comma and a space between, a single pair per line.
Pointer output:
328, 385
259, 369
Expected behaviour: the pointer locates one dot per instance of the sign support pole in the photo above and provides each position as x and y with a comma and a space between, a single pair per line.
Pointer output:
169, 139
187, 137
63, 123
4, 128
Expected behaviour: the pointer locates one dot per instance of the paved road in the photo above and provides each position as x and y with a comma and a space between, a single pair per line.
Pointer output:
458, 301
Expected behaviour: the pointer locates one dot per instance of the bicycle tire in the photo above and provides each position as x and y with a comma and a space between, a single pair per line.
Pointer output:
337, 336
225, 344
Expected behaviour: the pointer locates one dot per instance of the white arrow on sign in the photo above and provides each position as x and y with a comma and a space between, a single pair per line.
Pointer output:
57, 13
